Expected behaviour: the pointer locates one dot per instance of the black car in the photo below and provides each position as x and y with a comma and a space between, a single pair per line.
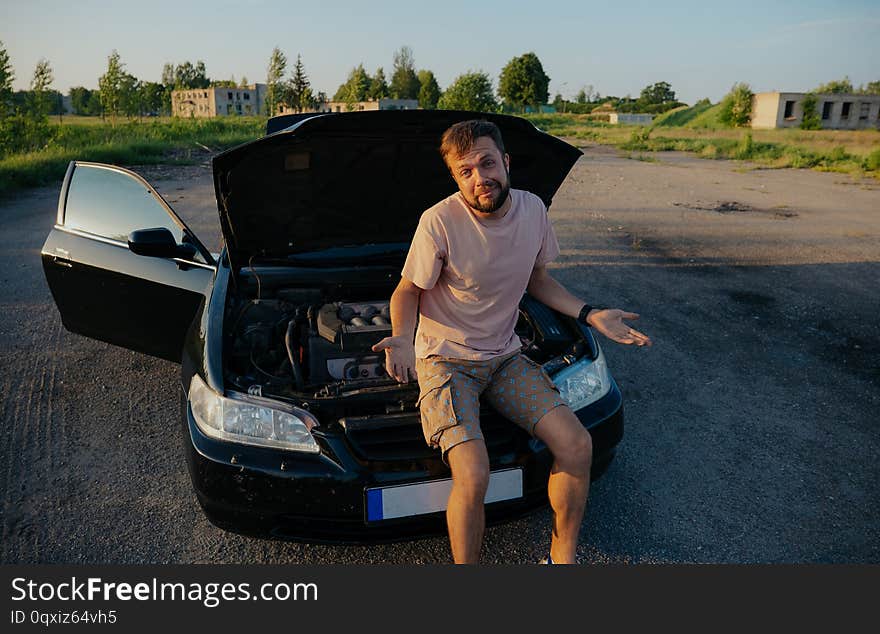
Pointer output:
292, 427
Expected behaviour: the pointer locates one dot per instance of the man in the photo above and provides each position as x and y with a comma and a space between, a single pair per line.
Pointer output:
472, 257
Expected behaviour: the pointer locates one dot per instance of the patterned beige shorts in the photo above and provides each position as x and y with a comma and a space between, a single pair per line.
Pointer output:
450, 389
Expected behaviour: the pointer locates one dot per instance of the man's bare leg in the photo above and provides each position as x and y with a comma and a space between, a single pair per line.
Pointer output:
569, 484
465, 511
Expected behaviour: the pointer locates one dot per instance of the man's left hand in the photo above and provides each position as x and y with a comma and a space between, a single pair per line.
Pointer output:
610, 323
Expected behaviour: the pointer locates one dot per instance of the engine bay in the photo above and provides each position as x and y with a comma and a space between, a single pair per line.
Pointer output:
308, 343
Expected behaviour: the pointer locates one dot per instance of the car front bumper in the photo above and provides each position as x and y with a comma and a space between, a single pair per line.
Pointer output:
322, 498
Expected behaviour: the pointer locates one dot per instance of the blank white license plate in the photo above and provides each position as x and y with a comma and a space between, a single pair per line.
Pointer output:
406, 500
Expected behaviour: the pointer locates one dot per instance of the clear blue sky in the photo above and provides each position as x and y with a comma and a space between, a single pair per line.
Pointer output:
700, 47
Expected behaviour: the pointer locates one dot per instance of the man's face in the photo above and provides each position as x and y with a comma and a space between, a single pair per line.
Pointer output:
482, 175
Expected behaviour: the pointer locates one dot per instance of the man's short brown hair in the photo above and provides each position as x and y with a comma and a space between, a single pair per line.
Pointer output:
459, 138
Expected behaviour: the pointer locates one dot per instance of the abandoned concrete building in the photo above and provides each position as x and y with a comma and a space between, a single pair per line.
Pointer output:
837, 111
344, 106
631, 118
218, 101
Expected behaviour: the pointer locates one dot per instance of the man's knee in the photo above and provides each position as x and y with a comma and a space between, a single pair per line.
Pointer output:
469, 463
575, 453
582, 450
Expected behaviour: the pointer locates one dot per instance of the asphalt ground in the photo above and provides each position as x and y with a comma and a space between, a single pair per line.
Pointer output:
751, 424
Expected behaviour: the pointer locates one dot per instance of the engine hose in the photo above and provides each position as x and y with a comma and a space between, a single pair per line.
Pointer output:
294, 363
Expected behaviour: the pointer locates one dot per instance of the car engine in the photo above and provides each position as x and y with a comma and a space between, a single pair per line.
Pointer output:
274, 343
287, 346
346, 334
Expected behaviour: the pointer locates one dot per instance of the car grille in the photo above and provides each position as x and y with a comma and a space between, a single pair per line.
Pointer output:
399, 436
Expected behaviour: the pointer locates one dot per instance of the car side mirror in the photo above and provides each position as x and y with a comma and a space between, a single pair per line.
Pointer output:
159, 243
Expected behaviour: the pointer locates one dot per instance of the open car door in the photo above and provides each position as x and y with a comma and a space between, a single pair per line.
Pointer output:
102, 287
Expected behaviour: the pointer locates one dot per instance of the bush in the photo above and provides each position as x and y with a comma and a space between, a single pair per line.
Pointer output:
711, 151
639, 140
736, 107
811, 113
872, 161
803, 158
838, 154
23, 133
746, 147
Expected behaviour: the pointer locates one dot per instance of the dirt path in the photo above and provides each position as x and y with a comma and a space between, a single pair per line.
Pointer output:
751, 424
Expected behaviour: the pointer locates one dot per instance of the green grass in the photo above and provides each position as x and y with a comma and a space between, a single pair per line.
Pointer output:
697, 129
151, 141
701, 115
706, 118
690, 129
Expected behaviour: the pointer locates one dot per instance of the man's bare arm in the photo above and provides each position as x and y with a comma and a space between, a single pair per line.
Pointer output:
400, 356
608, 321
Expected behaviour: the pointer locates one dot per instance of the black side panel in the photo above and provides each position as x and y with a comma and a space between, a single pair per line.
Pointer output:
106, 292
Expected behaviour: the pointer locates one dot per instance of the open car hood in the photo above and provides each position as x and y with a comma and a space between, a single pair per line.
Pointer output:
359, 178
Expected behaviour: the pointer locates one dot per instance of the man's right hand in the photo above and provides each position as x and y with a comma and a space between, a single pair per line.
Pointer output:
400, 358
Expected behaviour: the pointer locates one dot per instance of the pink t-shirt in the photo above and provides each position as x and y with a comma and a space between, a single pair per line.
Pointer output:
473, 272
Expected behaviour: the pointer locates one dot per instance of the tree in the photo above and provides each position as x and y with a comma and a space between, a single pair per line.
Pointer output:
168, 76
404, 80
581, 97
168, 83
429, 90
592, 94
131, 96
39, 103
378, 85
298, 92
55, 101
523, 82
873, 88
835, 87
79, 99
274, 75
736, 107
658, 93
110, 85
470, 91
355, 88
95, 106
152, 97
85, 102
6, 77
187, 76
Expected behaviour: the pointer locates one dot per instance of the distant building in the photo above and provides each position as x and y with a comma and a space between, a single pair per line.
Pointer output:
344, 106
630, 117
838, 111
218, 101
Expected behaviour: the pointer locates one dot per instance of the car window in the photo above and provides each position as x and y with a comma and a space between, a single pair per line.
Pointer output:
112, 204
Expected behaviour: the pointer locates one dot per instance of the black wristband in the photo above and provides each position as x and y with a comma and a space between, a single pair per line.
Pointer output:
582, 316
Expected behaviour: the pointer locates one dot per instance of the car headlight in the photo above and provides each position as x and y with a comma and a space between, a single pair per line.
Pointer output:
584, 382
249, 422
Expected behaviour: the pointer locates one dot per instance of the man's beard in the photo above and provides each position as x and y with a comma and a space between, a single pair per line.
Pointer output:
492, 206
